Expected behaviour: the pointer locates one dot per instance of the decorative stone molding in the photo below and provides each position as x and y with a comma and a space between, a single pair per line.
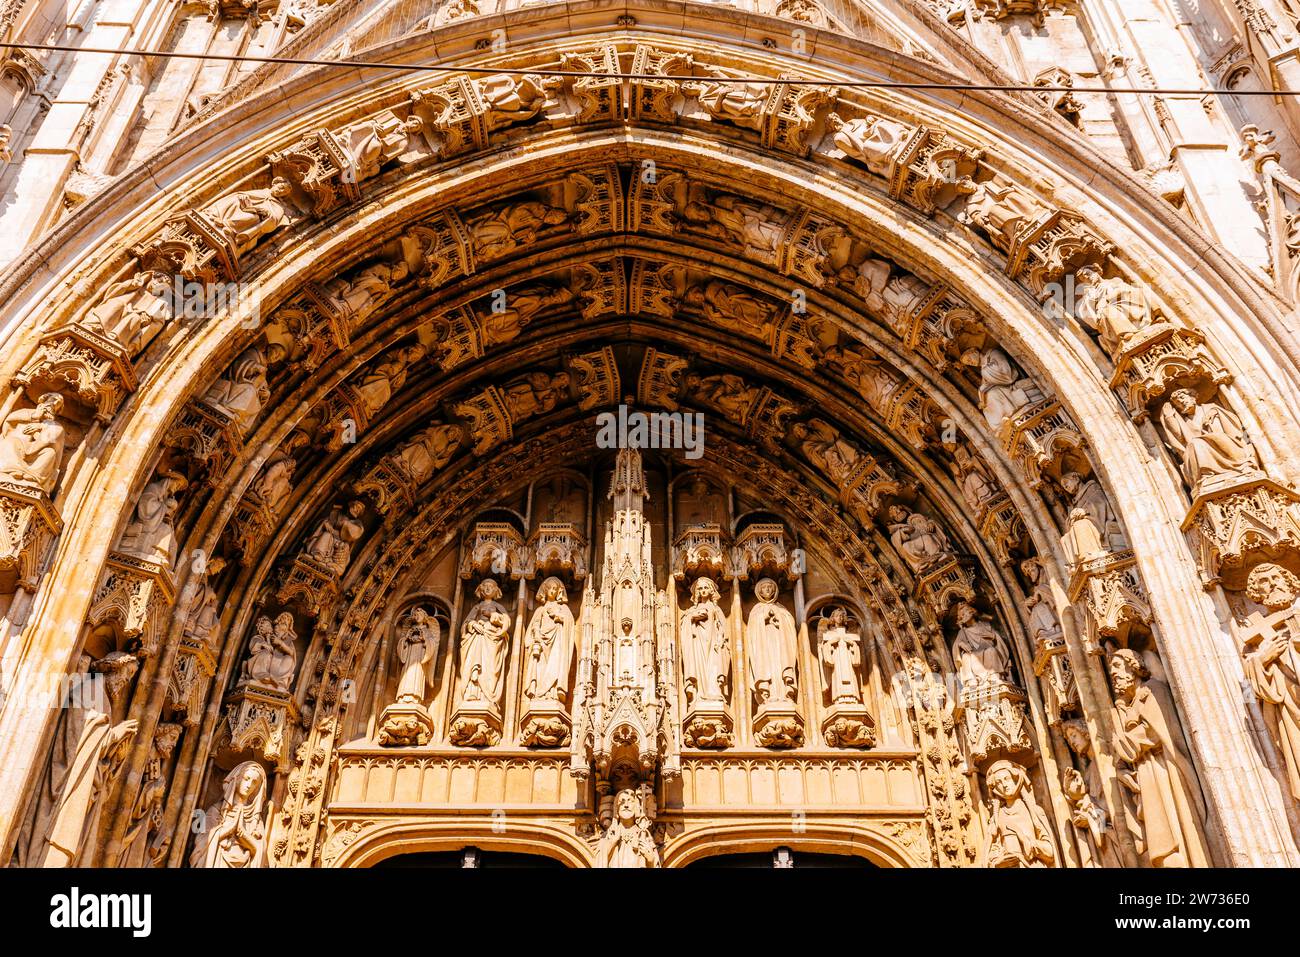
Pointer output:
138, 593
259, 723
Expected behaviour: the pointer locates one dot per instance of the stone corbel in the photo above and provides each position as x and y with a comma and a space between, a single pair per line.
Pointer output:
555, 548
652, 100
192, 670
931, 170
702, 550
208, 435
994, 719
944, 584
259, 724
1235, 525
486, 418
250, 526
320, 171
139, 593
83, 366
1161, 359
191, 246
28, 524
493, 549
1038, 436
1112, 592
308, 585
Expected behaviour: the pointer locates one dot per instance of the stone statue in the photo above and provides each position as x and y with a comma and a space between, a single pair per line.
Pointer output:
133, 310
242, 395
1208, 440
1083, 789
502, 231
725, 99
513, 99
429, 451
418, 635
483, 641
548, 645
245, 217
1001, 210
893, 298
977, 487
275, 484
1272, 653
756, 227
31, 444
272, 655
331, 545
89, 750
378, 140
1019, 835
145, 842
866, 372
1003, 390
1170, 806
920, 541
1043, 623
358, 295
234, 828
627, 841
727, 393
149, 534
1093, 529
823, 447
376, 385
733, 307
873, 139
706, 653
534, 394
840, 653
1113, 308
204, 614
772, 642
979, 649
521, 306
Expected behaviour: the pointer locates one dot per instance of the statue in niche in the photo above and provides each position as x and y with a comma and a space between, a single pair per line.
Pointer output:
1019, 835
379, 140
872, 139
888, 296
548, 645
31, 444
376, 385
205, 614
1168, 799
149, 534
627, 841
358, 295
821, 444
699, 504
535, 394
1043, 623
1083, 789
331, 544
272, 654
1208, 440
732, 307
275, 484
134, 310
977, 487
1113, 308
724, 99
429, 451
234, 828
242, 395
725, 392
565, 502
245, 217
483, 641
706, 653
1093, 528
89, 751
1272, 653
418, 635
513, 99
1003, 390
502, 231
840, 652
1001, 210
979, 649
145, 842
866, 372
920, 541
756, 227
521, 306
772, 641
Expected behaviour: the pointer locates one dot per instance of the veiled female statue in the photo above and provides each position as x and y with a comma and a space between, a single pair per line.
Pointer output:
1207, 438
31, 444
272, 656
483, 641
418, 634
133, 310
1169, 803
840, 652
242, 394
1003, 390
706, 653
1113, 308
1019, 835
772, 642
245, 217
234, 828
149, 534
627, 841
979, 649
548, 645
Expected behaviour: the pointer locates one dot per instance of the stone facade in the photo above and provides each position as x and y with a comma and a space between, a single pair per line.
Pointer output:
638, 441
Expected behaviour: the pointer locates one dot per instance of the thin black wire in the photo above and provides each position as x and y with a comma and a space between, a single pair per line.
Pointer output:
521, 71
